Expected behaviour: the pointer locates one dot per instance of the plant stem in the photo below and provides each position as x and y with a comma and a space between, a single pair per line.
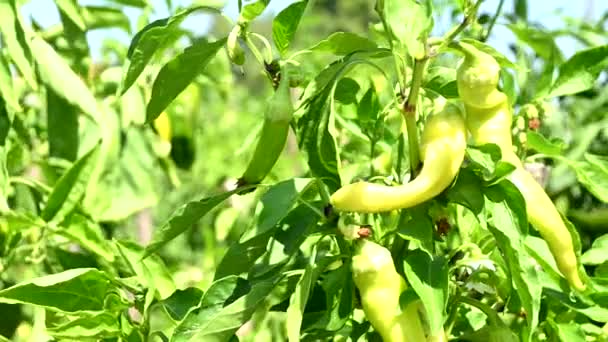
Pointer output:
486, 309
409, 114
449, 37
493, 21
371, 157
400, 148
257, 54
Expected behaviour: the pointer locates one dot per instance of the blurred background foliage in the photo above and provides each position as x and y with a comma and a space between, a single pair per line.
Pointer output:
214, 124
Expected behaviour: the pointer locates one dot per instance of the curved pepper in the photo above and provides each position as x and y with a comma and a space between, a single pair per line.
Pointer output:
442, 149
488, 119
277, 116
380, 286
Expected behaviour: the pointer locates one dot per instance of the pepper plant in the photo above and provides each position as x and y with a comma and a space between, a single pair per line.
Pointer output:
333, 171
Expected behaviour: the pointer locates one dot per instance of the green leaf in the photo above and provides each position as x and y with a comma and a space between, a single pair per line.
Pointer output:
153, 39
585, 307
183, 218
507, 221
129, 184
7, 91
252, 10
56, 74
81, 289
151, 272
539, 143
14, 38
88, 235
428, 276
285, 24
346, 90
570, 332
368, 108
299, 298
467, 191
99, 325
62, 127
544, 83
441, 80
4, 182
543, 43
217, 323
6, 121
339, 291
508, 86
551, 276
97, 17
182, 302
241, 256
580, 72
409, 23
275, 205
176, 75
521, 9
344, 43
593, 174
598, 253
316, 128
70, 188
485, 161
134, 3
415, 224
71, 9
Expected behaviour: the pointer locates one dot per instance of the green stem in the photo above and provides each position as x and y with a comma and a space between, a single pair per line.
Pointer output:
256, 53
486, 309
325, 196
396, 59
313, 208
409, 113
264, 41
493, 21
371, 157
400, 148
451, 35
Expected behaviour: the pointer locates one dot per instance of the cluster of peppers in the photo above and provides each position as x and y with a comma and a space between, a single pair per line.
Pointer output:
443, 142
442, 149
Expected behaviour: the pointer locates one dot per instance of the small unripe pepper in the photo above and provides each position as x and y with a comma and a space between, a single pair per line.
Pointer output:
277, 116
488, 119
380, 286
442, 149
235, 50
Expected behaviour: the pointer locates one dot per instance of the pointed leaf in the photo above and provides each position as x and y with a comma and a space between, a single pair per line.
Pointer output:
580, 72
153, 39
252, 10
62, 127
99, 326
56, 74
13, 37
286, 23
70, 188
176, 75
343, 43
220, 324
428, 276
80, 289
507, 221
6, 89
183, 218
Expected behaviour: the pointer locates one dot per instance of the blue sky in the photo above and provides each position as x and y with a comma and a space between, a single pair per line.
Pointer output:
545, 12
